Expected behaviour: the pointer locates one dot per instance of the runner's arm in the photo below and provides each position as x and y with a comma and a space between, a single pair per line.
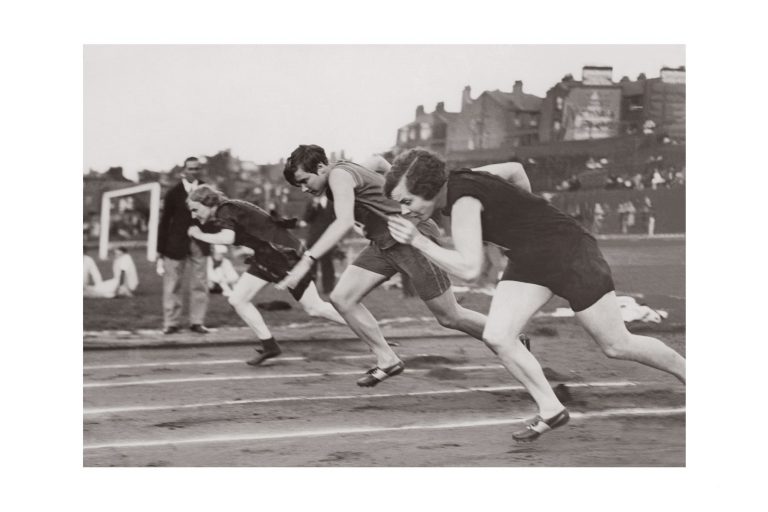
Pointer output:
465, 260
343, 188
223, 237
376, 163
513, 172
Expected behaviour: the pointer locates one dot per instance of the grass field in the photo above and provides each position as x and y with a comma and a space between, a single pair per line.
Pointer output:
652, 270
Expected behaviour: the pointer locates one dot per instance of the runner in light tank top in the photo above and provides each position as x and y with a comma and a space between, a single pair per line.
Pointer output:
372, 207
357, 194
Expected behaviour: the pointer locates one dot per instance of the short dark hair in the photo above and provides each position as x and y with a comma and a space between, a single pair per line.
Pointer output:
309, 157
424, 173
191, 159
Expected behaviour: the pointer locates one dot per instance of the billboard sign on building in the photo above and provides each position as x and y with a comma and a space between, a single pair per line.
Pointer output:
592, 113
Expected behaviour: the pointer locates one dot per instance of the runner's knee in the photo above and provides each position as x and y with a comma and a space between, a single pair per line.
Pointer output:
236, 301
446, 319
497, 340
616, 347
341, 301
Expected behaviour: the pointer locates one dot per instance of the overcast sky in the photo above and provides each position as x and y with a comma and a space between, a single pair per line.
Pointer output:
149, 107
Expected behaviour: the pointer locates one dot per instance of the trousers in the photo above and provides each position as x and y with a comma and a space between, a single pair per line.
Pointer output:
198, 288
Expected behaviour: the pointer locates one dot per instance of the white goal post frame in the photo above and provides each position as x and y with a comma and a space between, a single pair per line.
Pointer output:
152, 223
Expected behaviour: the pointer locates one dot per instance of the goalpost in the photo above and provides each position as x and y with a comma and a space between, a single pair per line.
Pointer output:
152, 224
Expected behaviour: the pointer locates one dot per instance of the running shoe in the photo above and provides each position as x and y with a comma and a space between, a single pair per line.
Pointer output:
376, 375
263, 355
539, 426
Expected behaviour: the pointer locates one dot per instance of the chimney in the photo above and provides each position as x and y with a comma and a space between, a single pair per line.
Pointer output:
466, 97
420, 110
440, 107
597, 75
518, 87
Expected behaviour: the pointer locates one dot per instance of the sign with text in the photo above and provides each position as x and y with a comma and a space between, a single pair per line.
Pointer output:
592, 113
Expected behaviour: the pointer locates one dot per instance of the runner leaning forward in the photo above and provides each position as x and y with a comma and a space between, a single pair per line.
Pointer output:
548, 251
357, 195
275, 250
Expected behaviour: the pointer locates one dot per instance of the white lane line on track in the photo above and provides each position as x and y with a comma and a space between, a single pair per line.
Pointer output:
216, 362
145, 408
152, 382
369, 430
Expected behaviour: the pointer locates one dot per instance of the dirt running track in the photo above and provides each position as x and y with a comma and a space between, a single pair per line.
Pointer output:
454, 406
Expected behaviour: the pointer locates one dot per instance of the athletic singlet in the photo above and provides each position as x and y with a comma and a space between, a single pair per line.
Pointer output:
253, 226
512, 218
371, 205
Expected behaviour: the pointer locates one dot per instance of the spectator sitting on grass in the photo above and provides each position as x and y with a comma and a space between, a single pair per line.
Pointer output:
124, 282
222, 275
91, 274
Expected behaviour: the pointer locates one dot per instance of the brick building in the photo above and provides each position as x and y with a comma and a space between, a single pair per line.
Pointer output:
596, 107
655, 104
427, 130
584, 109
495, 120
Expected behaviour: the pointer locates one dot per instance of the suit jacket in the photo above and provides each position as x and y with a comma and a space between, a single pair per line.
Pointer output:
318, 218
172, 239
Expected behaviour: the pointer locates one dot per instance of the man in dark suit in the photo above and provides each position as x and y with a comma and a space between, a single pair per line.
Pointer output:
176, 248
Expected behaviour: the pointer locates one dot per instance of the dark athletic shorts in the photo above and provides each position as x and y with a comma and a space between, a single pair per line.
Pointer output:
573, 268
428, 279
273, 265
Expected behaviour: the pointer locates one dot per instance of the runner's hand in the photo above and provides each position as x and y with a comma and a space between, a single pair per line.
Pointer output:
359, 228
403, 230
296, 274
194, 231
160, 267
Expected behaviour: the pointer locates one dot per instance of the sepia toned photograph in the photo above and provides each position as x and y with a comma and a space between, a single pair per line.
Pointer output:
399, 256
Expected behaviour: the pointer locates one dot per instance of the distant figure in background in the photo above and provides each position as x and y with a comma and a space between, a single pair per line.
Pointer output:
91, 274
622, 211
649, 219
125, 279
222, 275
597, 218
630, 217
176, 248
319, 215
657, 179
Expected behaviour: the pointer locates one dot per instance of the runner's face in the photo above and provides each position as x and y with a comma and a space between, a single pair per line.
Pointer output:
412, 205
314, 184
199, 211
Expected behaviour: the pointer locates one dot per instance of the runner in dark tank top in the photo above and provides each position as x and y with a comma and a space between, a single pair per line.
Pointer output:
275, 251
549, 253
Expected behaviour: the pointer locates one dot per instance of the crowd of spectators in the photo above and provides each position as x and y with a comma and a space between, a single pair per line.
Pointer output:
632, 217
